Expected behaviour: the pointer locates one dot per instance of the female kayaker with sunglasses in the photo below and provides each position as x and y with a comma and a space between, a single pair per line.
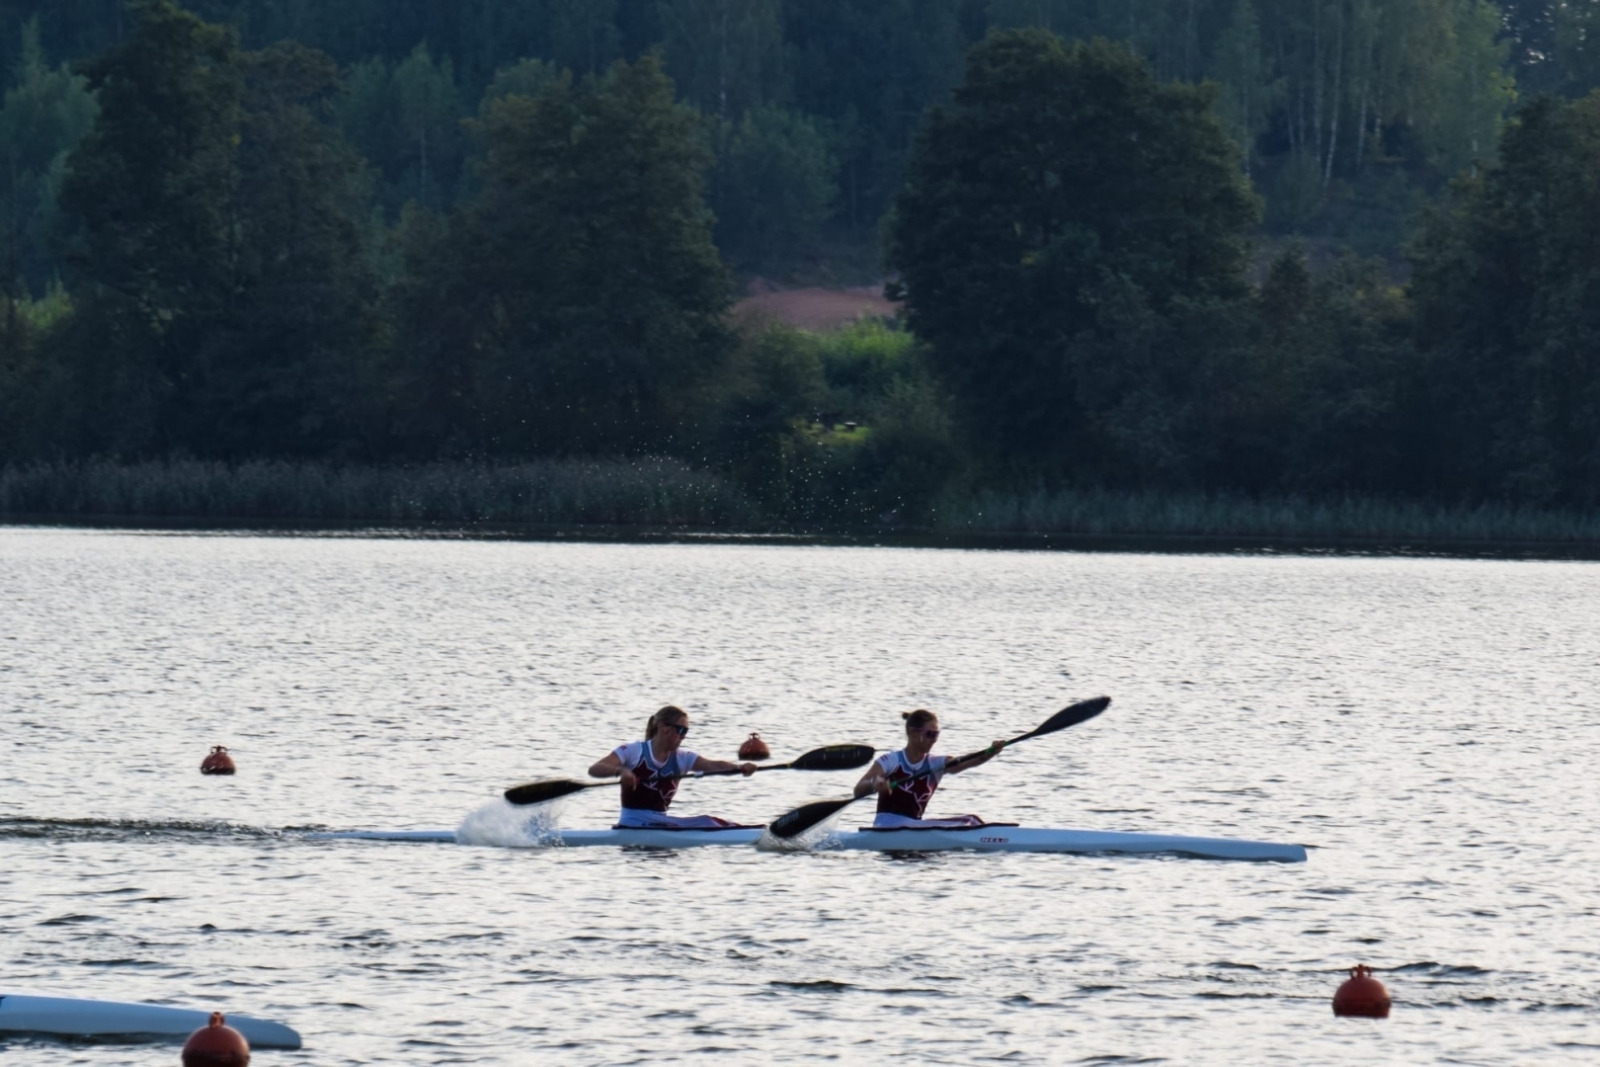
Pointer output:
905, 780
650, 770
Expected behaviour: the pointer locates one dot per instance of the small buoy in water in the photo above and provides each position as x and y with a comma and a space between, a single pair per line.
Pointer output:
216, 1045
1362, 995
219, 762
754, 748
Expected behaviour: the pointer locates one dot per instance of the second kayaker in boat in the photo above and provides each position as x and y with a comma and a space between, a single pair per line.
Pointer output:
905, 780
650, 770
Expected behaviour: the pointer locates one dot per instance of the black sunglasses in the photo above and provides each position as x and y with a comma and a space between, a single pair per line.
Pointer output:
683, 731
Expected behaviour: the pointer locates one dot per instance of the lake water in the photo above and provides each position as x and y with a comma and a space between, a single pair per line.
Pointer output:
1430, 726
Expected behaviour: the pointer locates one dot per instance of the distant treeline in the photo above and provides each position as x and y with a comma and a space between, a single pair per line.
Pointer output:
1350, 114
493, 234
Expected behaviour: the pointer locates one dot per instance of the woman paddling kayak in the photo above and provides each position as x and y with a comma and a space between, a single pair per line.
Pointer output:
650, 770
905, 780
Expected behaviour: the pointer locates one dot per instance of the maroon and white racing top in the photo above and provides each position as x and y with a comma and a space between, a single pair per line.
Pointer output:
657, 781
914, 783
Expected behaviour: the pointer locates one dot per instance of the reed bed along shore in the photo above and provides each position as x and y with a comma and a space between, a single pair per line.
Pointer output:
1222, 516
643, 492
656, 493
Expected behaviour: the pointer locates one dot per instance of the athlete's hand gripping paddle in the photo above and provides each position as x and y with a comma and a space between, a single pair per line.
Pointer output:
830, 758
799, 820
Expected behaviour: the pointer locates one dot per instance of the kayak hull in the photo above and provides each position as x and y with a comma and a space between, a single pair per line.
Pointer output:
655, 838
1042, 839
990, 838
105, 1020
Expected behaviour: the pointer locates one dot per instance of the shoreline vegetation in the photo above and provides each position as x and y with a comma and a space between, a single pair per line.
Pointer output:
236, 255
653, 498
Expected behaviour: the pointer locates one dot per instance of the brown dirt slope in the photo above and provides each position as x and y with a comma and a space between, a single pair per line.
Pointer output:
817, 310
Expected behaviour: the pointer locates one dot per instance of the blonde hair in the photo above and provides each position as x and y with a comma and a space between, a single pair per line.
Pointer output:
660, 718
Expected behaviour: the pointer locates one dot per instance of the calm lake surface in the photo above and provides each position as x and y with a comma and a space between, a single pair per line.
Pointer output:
1429, 725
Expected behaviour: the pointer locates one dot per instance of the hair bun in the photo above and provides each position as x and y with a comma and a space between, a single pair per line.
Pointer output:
907, 714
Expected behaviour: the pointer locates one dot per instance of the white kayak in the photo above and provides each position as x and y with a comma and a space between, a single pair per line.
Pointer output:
1044, 839
991, 838
110, 1019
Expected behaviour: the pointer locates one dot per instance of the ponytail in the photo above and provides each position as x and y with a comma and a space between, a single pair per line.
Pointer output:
670, 712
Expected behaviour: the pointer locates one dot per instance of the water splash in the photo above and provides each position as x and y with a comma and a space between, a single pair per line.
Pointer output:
504, 825
812, 840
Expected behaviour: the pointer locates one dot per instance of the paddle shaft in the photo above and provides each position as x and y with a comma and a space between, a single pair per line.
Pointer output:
736, 770
556, 788
798, 761
990, 751
832, 757
576, 785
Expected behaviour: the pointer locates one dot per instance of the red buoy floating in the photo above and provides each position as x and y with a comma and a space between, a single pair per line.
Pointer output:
1362, 995
754, 748
219, 762
216, 1045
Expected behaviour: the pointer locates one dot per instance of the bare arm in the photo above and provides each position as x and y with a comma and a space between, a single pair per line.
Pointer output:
874, 781
966, 763
715, 766
611, 767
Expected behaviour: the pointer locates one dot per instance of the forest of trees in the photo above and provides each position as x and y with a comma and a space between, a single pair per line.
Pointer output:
1312, 247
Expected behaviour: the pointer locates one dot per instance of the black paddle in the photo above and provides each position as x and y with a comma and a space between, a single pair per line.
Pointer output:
799, 820
831, 758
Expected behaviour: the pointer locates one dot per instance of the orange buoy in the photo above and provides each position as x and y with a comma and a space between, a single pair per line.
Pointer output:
216, 1045
1362, 995
219, 762
754, 748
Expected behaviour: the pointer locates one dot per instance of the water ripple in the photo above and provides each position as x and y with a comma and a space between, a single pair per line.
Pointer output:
1428, 725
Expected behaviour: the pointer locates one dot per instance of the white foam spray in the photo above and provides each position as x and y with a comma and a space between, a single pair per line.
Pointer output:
506, 825
816, 839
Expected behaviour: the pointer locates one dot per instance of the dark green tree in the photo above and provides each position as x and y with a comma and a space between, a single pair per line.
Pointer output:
151, 189
772, 386
68, 29
228, 298
1318, 402
1507, 294
580, 35
868, 69
578, 305
725, 56
44, 115
406, 118
153, 181
775, 188
528, 77
1072, 243
288, 366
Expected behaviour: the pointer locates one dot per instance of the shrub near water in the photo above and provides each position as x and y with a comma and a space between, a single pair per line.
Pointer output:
644, 492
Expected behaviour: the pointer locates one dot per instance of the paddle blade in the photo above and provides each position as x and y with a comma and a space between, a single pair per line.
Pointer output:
544, 791
835, 758
1082, 711
799, 820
